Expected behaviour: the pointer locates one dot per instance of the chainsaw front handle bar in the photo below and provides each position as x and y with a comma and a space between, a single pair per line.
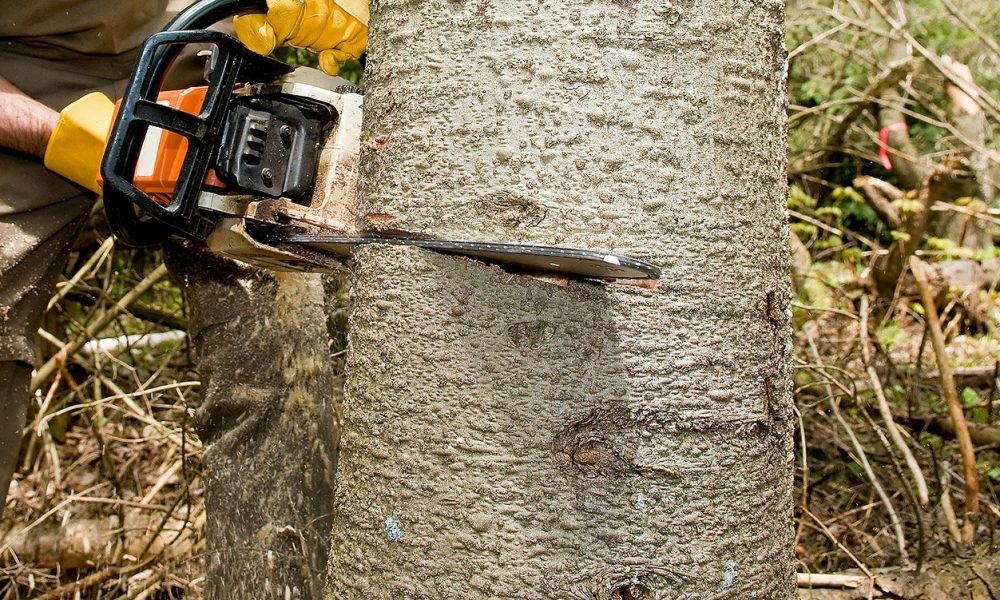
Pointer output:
133, 215
204, 14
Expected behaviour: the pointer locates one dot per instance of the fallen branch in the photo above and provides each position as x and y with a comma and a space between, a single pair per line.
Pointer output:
70, 589
954, 406
829, 580
138, 341
880, 195
975, 579
61, 357
981, 435
77, 542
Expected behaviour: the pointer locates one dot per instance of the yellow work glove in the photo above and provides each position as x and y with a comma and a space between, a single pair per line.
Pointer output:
77, 143
336, 29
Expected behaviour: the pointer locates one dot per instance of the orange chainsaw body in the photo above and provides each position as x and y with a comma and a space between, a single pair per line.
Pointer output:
162, 155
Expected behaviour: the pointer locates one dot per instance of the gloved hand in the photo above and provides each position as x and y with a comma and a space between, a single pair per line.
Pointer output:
76, 145
336, 29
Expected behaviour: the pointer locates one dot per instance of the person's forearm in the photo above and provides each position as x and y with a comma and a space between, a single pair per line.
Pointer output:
25, 123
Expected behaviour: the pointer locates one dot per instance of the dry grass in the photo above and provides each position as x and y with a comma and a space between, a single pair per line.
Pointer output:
107, 499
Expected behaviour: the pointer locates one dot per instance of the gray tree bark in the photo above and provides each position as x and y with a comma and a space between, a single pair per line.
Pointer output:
513, 437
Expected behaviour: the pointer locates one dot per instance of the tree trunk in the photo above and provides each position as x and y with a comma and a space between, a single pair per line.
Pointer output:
515, 437
267, 423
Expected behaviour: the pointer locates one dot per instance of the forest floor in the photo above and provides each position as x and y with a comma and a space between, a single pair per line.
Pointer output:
107, 501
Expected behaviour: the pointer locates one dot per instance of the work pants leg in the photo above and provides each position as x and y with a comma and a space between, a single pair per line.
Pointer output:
40, 216
14, 379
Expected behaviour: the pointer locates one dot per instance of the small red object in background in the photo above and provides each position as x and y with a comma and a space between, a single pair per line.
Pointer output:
883, 142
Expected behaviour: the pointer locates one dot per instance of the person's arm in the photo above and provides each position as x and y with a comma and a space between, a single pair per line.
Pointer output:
70, 143
25, 123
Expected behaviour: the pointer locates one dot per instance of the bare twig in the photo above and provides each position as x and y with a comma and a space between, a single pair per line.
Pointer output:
981, 97
90, 296
862, 456
954, 406
817, 39
843, 548
948, 509
61, 357
983, 36
893, 74
886, 411
92, 263
804, 496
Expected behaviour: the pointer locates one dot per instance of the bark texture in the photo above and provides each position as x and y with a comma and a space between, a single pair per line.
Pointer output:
511, 437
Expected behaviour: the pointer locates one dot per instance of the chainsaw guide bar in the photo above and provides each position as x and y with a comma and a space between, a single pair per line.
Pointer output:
537, 259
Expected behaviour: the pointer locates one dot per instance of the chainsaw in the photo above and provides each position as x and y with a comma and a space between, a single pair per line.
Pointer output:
261, 163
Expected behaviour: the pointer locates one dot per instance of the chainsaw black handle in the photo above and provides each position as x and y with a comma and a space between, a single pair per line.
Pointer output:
206, 13
133, 215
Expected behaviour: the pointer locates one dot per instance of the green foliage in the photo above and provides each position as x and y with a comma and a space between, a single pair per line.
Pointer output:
994, 473
804, 230
830, 211
887, 337
353, 72
977, 411
907, 206
814, 91
838, 49
831, 241
970, 397
860, 216
895, 392
852, 255
949, 249
298, 57
847, 193
942, 34
798, 199
984, 254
